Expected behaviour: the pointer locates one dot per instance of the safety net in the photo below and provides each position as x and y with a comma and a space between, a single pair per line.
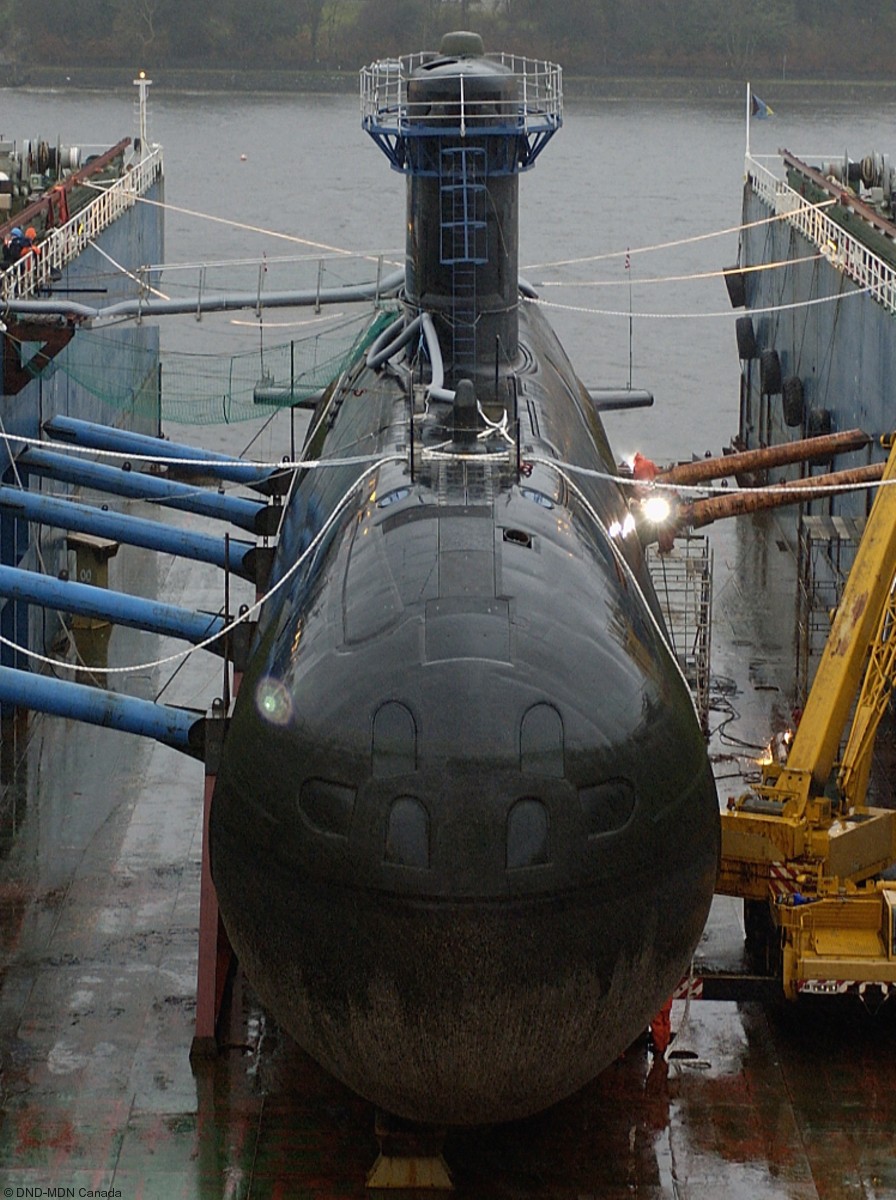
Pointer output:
120, 366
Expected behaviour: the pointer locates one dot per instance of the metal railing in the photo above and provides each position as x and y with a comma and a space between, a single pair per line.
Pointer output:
35, 273
537, 107
842, 249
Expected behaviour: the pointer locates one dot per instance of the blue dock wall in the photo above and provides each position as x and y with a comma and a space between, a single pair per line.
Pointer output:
842, 349
91, 378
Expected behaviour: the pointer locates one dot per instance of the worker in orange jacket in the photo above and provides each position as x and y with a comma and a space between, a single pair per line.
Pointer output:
30, 245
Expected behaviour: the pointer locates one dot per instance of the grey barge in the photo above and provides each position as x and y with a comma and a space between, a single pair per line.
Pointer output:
98, 218
816, 279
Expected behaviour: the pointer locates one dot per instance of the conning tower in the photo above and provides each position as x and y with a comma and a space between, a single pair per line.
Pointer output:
462, 125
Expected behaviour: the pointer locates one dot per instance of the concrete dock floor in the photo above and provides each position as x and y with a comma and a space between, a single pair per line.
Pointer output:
99, 888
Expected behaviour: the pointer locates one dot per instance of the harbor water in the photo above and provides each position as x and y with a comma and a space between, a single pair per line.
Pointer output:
654, 184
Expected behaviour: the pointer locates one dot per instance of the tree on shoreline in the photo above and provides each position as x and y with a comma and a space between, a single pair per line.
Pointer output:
591, 37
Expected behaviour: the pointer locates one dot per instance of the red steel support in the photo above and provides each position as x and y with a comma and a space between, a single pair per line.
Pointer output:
216, 955
52, 338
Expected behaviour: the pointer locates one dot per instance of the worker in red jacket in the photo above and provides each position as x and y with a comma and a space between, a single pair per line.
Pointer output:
661, 1029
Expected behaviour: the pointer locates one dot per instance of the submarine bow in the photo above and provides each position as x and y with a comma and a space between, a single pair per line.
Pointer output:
464, 833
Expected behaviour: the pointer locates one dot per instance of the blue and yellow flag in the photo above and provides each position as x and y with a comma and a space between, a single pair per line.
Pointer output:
759, 108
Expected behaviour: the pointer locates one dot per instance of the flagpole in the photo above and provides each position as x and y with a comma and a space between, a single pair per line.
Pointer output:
749, 107
628, 267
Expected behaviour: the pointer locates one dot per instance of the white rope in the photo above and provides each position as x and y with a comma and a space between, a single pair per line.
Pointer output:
435, 453
625, 567
454, 456
492, 427
691, 278
124, 271
688, 241
274, 233
208, 463
678, 1054
717, 489
563, 469
687, 316
244, 616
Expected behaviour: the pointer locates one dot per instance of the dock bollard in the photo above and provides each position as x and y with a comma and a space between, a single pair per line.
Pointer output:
92, 556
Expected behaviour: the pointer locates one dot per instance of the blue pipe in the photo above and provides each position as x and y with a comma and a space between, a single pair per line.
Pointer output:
117, 607
141, 486
177, 727
135, 531
119, 441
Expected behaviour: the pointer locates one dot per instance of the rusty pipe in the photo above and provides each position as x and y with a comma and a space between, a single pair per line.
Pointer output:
704, 512
823, 446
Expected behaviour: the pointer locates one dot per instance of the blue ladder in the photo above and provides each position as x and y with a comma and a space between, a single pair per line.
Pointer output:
464, 241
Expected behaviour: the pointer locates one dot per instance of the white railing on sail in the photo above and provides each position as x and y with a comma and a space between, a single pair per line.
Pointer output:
843, 251
35, 273
385, 104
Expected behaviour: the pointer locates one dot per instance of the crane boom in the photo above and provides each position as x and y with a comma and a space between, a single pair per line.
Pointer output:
804, 850
842, 667
877, 687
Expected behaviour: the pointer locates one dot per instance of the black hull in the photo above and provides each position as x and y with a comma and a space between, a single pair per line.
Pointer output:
464, 834
465, 1013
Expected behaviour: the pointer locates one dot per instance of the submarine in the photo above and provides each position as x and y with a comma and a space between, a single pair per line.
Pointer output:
464, 833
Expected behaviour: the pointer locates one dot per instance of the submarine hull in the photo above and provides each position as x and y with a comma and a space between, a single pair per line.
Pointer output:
464, 833
462, 1013
466, 1012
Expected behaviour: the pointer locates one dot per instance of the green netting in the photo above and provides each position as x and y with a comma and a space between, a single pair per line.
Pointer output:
206, 389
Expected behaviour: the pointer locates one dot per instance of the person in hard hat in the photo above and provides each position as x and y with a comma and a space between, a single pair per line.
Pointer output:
644, 469
12, 247
29, 245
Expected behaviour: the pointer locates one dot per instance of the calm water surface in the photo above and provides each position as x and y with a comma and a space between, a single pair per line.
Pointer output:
651, 176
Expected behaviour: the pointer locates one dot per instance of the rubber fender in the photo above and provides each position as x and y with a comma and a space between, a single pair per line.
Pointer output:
734, 282
819, 423
746, 338
793, 401
769, 372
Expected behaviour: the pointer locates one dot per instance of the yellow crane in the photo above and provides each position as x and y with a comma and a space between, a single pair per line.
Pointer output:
804, 850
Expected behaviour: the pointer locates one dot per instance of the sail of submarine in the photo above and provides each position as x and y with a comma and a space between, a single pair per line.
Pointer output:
464, 833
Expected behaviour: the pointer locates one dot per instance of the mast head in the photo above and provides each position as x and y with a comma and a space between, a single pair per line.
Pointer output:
398, 109
462, 124
462, 44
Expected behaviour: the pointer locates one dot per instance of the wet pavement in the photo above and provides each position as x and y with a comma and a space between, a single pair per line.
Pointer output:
99, 889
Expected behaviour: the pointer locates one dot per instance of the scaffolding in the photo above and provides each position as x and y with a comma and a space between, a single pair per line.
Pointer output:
826, 549
682, 578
